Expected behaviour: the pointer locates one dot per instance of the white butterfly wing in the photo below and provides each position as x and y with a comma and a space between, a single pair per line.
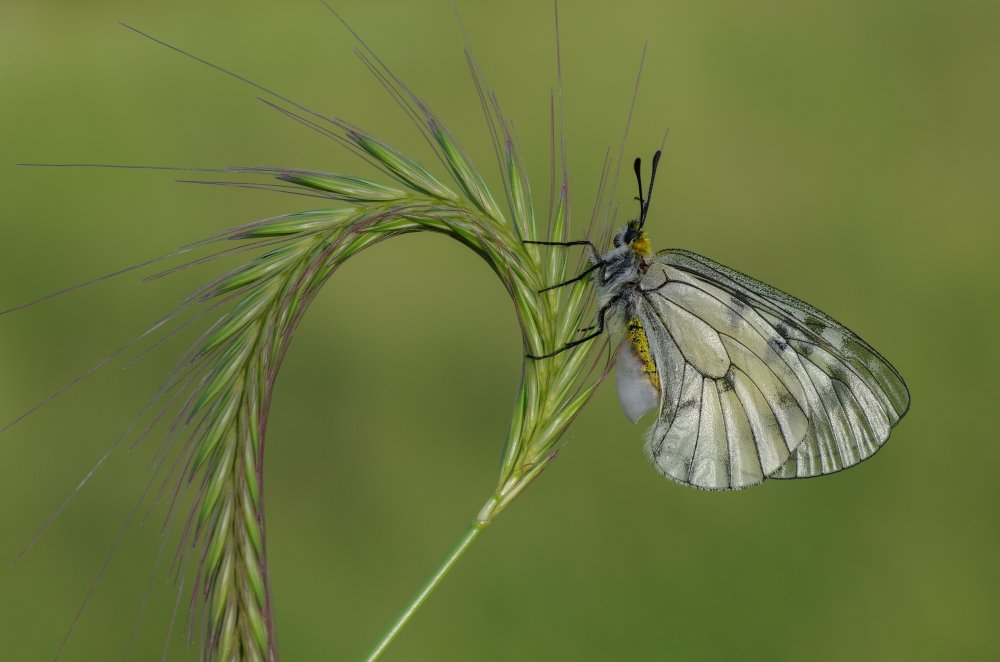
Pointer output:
757, 384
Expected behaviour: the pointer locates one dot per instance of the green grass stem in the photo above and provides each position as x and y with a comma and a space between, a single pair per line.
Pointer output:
425, 591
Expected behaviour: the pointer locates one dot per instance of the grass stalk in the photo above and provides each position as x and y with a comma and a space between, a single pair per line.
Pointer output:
425, 591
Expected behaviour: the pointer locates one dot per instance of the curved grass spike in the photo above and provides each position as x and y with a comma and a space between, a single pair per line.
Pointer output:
244, 350
224, 383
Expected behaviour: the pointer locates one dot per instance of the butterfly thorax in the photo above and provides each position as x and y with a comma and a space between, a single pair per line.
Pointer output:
622, 267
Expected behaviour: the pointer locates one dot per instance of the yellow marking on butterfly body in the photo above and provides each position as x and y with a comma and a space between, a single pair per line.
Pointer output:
641, 245
640, 345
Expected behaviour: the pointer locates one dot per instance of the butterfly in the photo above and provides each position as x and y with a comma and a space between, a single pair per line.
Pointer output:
749, 382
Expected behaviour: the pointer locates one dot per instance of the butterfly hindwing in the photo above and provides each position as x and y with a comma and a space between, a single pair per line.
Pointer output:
758, 384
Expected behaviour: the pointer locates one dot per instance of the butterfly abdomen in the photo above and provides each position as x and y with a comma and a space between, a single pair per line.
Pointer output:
640, 345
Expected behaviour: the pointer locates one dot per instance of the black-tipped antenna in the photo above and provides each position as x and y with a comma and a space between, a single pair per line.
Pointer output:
638, 178
644, 203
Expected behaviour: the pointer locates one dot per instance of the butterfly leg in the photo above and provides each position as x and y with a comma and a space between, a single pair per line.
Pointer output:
579, 341
595, 258
583, 274
582, 242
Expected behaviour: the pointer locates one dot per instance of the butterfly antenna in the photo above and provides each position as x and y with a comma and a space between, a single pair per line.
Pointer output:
638, 178
644, 204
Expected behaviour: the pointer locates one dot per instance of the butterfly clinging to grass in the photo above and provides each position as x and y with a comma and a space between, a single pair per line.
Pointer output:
748, 382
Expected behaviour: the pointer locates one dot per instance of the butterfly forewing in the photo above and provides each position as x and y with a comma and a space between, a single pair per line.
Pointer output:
761, 384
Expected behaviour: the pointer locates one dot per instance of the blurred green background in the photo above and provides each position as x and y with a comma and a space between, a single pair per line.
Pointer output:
847, 152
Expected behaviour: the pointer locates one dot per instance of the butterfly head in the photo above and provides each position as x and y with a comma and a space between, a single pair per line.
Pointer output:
632, 236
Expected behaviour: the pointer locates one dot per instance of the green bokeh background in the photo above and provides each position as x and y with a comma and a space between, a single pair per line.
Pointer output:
847, 152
